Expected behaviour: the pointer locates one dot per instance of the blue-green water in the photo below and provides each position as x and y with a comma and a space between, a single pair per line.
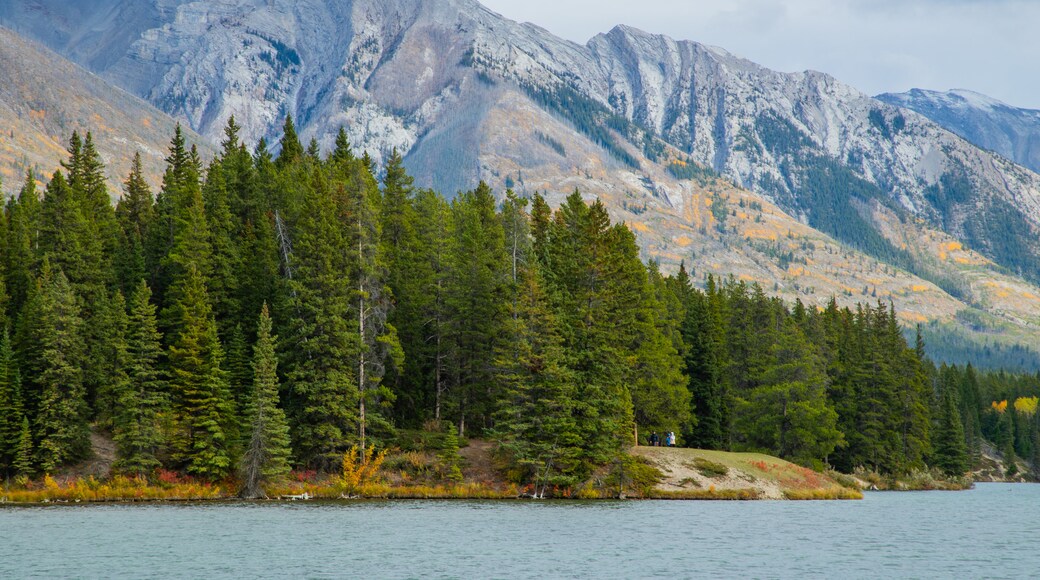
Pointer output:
992, 531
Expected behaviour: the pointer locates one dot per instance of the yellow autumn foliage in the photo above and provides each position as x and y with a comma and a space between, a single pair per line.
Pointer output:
1000, 407
361, 467
1027, 405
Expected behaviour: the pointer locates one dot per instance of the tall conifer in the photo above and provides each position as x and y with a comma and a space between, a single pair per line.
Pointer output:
266, 457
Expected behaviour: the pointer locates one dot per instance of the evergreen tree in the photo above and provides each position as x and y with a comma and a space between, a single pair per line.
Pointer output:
660, 397
423, 315
788, 414
135, 213
266, 458
223, 282
535, 426
11, 411
113, 359
202, 410
62, 431
703, 335
141, 403
23, 459
321, 341
23, 244
475, 293
584, 257
357, 197
291, 148
950, 451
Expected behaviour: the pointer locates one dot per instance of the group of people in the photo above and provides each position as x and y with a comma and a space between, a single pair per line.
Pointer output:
657, 441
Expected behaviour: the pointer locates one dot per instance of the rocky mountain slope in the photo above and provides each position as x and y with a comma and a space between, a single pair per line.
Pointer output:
44, 98
984, 121
796, 181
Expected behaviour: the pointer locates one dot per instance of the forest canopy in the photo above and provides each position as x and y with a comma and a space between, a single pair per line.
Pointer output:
270, 312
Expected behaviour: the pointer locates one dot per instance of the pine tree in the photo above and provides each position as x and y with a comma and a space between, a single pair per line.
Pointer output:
4, 298
61, 418
950, 451
320, 340
787, 413
113, 359
423, 315
660, 397
477, 282
357, 199
135, 213
703, 335
267, 454
180, 235
535, 426
11, 410
399, 255
202, 410
583, 258
141, 403
292, 149
23, 244
23, 459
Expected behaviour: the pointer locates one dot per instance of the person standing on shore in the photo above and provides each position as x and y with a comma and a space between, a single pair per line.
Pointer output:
655, 439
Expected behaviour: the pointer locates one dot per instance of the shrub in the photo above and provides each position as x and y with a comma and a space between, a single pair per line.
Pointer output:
709, 468
360, 468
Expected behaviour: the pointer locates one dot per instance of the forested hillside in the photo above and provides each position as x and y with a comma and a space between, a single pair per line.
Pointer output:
261, 313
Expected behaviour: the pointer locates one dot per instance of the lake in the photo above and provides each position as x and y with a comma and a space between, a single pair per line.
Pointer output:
991, 531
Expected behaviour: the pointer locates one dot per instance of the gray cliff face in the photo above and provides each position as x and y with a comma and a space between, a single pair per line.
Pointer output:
433, 78
988, 123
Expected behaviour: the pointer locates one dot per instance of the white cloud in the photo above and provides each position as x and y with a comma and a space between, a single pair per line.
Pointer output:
989, 46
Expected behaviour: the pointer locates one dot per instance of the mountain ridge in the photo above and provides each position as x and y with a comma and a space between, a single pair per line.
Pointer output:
1012, 132
44, 99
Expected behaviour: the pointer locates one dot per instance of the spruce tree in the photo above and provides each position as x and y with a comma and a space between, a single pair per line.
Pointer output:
357, 198
203, 413
291, 148
62, 431
787, 414
660, 397
23, 458
23, 244
11, 410
950, 451
534, 424
142, 401
135, 213
703, 335
424, 321
113, 359
320, 340
266, 458
584, 256
477, 283
223, 281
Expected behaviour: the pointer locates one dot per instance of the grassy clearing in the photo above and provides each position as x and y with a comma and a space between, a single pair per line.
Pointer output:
699, 473
115, 489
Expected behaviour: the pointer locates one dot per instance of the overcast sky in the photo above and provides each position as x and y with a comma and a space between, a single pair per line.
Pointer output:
989, 46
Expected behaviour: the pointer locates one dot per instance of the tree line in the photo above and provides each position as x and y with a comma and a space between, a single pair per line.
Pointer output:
264, 311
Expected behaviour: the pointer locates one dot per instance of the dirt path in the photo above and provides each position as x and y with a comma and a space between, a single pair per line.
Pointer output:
100, 465
479, 465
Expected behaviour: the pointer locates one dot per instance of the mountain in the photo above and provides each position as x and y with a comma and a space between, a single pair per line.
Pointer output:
792, 180
984, 121
44, 98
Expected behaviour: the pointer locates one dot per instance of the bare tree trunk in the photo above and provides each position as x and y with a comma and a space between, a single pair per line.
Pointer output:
361, 331
439, 382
